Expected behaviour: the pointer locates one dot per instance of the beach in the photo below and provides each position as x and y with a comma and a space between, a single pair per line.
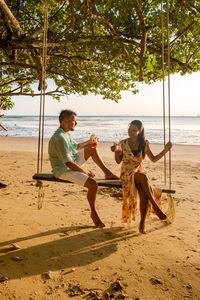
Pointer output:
61, 254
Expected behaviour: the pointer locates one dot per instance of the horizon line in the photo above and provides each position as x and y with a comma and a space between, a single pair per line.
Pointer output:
84, 115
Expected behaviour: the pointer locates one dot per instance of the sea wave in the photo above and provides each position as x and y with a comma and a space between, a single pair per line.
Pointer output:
184, 130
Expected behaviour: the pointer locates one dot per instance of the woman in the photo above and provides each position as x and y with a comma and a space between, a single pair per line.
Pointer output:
133, 175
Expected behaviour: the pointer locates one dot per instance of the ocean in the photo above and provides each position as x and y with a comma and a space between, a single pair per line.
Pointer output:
184, 130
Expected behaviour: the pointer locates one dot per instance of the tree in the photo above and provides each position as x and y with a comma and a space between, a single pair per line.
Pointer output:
94, 46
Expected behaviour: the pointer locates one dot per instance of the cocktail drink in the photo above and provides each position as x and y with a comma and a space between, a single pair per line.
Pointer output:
94, 142
118, 149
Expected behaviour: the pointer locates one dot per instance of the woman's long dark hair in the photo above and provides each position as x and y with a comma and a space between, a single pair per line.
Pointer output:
141, 136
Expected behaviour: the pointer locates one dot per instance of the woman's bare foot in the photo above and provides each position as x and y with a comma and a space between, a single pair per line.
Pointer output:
159, 213
97, 222
162, 216
110, 175
141, 228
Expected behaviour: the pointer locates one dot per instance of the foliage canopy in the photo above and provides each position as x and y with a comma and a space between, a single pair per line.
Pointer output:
94, 46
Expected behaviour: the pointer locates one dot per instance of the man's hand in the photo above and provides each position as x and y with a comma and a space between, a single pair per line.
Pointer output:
90, 174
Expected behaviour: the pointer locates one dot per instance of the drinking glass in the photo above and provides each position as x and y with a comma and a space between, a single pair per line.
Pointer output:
94, 142
118, 149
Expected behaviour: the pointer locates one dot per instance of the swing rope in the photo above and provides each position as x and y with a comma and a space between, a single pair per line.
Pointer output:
163, 90
169, 92
171, 207
42, 108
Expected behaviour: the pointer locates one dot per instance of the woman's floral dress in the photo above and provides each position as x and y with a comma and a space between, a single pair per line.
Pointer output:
130, 165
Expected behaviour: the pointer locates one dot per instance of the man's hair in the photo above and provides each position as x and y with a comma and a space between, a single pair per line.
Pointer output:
66, 114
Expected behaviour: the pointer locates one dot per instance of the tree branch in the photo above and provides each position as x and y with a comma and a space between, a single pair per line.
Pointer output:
188, 6
11, 17
27, 79
7, 26
191, 55
74, 57
96, 16
36, 33
65, 76
27, 66
58, 10
182, 32
144, 33
72, 22
2, 126
51, 93
84, 40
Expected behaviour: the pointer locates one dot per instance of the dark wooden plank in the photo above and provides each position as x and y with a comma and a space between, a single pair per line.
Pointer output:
109, 182
168, 191
48, 177
101, 182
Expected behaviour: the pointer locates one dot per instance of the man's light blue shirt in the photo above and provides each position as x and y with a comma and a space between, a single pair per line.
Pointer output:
62, 149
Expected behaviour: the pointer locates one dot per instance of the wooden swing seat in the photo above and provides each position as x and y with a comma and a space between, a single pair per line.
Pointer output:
101, 182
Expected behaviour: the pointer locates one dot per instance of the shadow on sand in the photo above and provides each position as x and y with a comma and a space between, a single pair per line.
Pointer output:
73, 249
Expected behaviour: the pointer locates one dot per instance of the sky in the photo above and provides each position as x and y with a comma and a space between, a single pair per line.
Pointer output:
185, 100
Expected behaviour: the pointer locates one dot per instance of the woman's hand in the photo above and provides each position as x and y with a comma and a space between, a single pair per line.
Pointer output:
168, 146
112, 148
147, 147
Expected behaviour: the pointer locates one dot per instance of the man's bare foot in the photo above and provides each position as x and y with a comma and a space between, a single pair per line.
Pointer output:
141, 228
97, 222
110, 175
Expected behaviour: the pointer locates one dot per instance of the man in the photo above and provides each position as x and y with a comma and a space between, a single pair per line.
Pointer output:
67, 159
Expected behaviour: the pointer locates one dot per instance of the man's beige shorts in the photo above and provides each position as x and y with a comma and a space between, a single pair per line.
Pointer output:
74, 176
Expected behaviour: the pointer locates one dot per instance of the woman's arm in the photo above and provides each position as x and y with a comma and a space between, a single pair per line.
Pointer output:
155, 158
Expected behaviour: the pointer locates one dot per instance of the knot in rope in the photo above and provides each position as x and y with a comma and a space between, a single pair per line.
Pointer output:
41, 193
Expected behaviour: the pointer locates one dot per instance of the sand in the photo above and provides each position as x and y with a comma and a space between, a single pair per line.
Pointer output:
62, 254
